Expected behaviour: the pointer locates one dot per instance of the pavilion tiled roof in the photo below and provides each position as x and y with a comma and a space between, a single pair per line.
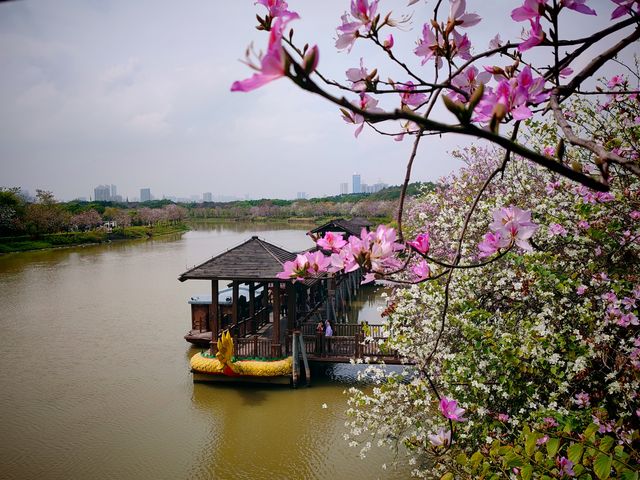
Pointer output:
351, 227
255, 260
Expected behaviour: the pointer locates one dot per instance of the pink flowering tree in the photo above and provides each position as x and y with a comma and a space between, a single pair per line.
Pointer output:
543, 137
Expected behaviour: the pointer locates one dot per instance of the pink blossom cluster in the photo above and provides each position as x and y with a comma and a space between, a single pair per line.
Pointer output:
356, 24
534, 10
620, 312
510, 225
512, 96
372, 251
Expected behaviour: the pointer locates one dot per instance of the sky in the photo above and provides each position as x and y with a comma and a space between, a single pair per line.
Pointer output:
137, 94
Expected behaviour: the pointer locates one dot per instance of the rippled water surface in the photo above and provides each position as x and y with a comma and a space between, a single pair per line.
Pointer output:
95, 383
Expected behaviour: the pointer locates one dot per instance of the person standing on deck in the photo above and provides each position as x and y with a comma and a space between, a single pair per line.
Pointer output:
328, 332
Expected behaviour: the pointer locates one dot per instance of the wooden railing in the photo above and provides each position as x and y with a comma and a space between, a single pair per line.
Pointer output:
249, 326
253, 347
342, 346
346, 329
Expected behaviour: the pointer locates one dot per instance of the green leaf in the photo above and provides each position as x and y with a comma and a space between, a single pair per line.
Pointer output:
461, 459
511, 460
476, 458
530, 444
538, 456
602, 466
526, 472
629, 475
552, 447
447, 476
574, 452
606, 443
590, 432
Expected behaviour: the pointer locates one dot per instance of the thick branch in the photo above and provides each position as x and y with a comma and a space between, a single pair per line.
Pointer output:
602, 153
469, 130
597, 62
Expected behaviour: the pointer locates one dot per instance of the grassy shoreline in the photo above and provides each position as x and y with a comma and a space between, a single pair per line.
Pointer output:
72, 239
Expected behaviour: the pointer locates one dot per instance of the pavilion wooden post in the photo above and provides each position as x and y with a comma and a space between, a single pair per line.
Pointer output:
291, 307
234, 306
252, 307
276, 350
214, 320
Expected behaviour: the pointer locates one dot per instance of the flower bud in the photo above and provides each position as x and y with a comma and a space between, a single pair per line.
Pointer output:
388, 43
310, 60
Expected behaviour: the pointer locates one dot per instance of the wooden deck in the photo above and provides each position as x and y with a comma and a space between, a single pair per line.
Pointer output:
346, 346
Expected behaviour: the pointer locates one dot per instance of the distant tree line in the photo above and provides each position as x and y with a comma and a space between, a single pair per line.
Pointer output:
20, 215
380, 205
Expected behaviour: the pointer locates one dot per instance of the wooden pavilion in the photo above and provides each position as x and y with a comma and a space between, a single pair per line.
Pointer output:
340, 225
261, 324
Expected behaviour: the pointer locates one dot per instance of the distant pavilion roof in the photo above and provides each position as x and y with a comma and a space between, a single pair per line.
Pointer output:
253, 260
350, 227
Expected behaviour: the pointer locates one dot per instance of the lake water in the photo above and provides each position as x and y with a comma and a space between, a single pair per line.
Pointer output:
95, 381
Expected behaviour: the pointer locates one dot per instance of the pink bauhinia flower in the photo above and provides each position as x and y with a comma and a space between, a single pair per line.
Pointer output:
624, 7
429, 46
317, 262
441, 439
333, 241
459, 17
514, 95
615, 81
557, 229
582, 400
566, 466
491, 243
514, 224
421, 270
449, 409
579, 6
363, 14
366, 103
421, 243
531, 9
468, 80
581, 289
534, 37
407, 97
358, 77
277, 8
273, 64
296, 269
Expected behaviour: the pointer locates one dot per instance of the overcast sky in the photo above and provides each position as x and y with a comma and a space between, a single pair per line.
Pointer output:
136, 94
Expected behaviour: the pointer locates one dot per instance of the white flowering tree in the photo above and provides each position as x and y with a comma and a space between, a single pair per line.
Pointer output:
519, 287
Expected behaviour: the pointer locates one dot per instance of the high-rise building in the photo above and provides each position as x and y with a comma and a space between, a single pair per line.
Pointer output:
114, 191
344, 188
145, 194
207, 197
357, 186
301, 195
102, 193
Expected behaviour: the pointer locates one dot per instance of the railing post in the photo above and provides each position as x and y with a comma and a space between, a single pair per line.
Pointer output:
359, 339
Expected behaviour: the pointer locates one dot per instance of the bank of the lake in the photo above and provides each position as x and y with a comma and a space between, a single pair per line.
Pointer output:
67, 239
95, 380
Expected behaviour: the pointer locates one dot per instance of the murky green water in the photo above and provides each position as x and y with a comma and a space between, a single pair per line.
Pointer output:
95, 383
